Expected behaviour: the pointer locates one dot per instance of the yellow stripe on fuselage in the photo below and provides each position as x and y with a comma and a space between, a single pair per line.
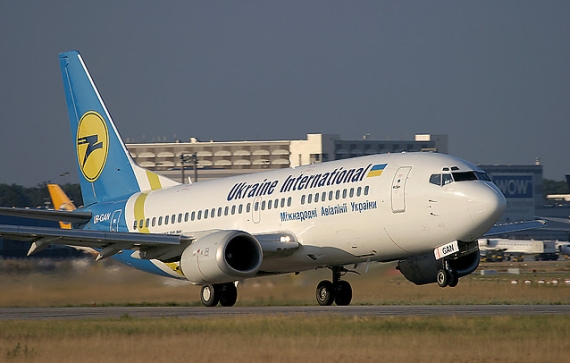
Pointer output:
139, 212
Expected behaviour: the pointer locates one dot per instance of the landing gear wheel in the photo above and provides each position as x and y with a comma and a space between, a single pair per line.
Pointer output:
228, 294
343, 293
325, 293
209, 296
453, 278
442, 278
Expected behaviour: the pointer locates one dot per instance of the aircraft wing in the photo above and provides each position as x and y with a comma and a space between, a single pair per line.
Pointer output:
50, 215
108, 242
514, 227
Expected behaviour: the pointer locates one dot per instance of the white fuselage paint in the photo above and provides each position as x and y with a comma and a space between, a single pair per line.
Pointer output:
403, 214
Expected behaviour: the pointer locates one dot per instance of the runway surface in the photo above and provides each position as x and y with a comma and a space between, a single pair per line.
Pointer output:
203, 312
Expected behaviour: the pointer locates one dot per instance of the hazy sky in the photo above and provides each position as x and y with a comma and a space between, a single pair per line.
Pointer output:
493, 75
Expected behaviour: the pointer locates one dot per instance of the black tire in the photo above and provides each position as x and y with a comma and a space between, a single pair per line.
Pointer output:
325, 293
442, 278
209, 295
228, 294
453, 278
343, 293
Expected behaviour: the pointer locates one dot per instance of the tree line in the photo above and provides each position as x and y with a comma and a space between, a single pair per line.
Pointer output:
13, 195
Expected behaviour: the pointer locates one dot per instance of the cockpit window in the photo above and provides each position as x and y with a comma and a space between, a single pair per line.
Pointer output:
482, 176
464, 176
435, 179
446, 178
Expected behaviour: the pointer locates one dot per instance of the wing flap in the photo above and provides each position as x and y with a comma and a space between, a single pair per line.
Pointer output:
109, 242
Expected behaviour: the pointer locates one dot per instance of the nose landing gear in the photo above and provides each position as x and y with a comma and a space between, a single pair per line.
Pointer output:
337, 291
447, 276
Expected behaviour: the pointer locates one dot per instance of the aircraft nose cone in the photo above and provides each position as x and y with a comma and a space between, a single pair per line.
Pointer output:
486, 205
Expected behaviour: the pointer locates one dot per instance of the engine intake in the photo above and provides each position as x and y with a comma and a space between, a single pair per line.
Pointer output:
220, 257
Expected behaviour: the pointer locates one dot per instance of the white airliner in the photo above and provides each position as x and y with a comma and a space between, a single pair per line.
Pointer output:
424, 210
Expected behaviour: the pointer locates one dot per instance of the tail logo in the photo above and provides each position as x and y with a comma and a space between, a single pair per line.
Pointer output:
92, 145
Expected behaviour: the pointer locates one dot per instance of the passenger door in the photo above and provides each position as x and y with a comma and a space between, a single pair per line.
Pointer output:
399, 189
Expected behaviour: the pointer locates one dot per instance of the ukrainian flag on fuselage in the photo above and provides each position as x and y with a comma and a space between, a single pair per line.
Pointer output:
376, 170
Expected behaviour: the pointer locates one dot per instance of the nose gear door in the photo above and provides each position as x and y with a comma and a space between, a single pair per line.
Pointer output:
399, 189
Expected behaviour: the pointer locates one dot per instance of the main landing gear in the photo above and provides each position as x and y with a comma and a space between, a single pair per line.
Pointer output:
447, 275
337, 291
225, 294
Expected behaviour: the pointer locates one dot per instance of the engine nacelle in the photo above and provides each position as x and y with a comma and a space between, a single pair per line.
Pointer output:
221, 257
422, 269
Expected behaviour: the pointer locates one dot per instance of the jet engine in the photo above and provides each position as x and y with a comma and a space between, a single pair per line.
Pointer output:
221, 257
422, 269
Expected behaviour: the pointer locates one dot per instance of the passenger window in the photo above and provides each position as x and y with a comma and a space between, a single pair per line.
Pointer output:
351, 193
289, 200
256, 206
233, 210
366, 189
160, 221
337, 194
147, 222
219, 211
276, 203
226, 210
153, 221
248, 208
302, 199
165, 220
309, 198
180, 218
213, 213
141, 224
193, 216
240, 208
135, 225
173, 219
316, 197
199, 214
206, 214
344, 194
323, 196
263, 205
282, 202
331, 195
269, 204
186, 217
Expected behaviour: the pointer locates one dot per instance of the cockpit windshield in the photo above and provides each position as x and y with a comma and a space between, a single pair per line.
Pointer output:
457, 176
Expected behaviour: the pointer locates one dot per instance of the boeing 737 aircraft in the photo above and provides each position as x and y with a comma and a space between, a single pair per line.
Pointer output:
424, 210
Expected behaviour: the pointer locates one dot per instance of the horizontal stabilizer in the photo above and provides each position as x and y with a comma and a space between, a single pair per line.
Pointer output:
514, 227
49, 215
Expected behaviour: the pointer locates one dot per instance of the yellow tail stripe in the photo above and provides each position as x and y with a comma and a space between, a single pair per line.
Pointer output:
153, 180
